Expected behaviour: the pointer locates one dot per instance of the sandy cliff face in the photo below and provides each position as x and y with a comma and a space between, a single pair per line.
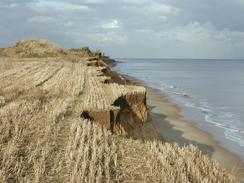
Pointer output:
133, 111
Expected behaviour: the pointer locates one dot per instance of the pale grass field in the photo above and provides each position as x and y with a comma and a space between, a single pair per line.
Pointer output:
44, 139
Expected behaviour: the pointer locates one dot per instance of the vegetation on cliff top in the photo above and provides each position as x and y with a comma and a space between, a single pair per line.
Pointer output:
45, 138
42, 49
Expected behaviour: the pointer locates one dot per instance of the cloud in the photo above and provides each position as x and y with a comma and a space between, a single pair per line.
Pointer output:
109, 38
163, 18
161, 8
111, 25
221, 13
150, 8
44, 6
197, 32
95, 1
188, 33
98, 39
8, 5
146, 14
41, 19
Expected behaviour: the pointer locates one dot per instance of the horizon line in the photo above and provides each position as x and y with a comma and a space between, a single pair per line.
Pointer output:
171, 58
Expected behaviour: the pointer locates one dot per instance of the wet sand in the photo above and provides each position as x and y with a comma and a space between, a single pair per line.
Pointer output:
170, 126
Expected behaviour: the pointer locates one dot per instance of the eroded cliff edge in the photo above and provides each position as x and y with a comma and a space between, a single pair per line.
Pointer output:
107, 99
127, 110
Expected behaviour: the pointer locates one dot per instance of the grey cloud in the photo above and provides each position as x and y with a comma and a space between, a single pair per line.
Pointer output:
130, 28
221, 13
53, 6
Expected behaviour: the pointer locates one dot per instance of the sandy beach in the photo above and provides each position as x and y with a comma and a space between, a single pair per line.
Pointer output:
170, 126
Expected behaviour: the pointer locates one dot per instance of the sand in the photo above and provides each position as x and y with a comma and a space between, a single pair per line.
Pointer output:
166, 119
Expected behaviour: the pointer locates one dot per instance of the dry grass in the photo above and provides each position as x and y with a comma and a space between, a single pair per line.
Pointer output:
158, 162
43, 138
91, 154
37, 48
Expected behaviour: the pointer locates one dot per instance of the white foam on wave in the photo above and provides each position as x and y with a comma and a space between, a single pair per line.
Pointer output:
183, 94
233, 128
174, 90
203, 109
166, 86
235, 139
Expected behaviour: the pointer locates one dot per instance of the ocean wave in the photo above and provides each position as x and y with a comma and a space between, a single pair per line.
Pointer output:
231, 132
174, 90
203, 109
166, 86
209, 119
235, 139
183, 94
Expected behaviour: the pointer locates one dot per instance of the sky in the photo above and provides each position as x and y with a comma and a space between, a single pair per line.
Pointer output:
130, 28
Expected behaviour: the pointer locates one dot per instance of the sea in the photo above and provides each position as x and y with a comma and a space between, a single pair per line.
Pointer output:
210, 92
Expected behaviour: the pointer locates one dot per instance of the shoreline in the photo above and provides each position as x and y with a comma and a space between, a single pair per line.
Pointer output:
172, 128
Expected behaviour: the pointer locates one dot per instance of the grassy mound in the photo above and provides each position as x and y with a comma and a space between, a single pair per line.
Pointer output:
41, 49
37, 48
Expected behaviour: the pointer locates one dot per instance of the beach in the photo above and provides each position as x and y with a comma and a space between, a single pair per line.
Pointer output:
172, 128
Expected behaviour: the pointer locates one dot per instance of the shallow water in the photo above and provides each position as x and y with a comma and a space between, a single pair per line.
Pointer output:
212, 89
